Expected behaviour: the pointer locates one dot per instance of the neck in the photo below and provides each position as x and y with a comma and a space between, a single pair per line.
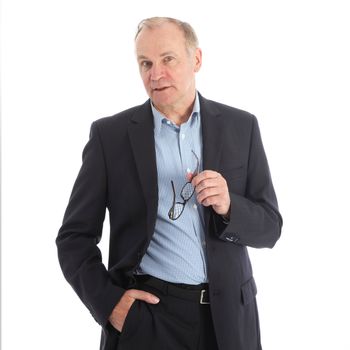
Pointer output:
177, 114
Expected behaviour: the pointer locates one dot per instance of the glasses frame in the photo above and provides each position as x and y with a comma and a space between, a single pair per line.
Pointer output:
172, 213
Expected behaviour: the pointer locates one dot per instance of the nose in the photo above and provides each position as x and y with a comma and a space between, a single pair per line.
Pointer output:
156, 72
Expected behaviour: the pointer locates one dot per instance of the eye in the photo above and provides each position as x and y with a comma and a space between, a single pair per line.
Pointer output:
146, 64
168, 59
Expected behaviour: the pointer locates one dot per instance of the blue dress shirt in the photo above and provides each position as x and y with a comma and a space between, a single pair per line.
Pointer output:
177, 250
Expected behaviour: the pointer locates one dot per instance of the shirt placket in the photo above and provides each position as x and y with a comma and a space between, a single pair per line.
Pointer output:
189, 165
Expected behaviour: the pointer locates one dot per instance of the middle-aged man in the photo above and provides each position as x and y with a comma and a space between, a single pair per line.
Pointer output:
188, 188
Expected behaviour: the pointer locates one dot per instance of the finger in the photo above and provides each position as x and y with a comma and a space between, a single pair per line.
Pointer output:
218, 203
209, 183
214, 194
142, 295
206, 174
212, 201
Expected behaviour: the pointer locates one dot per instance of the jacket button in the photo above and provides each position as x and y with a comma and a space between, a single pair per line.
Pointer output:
236, 238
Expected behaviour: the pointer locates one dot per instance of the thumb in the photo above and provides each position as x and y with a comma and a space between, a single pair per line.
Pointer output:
145, 296
189, 176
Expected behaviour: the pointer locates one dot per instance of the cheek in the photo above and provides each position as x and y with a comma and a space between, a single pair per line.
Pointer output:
145, 80
184, 76
168, 76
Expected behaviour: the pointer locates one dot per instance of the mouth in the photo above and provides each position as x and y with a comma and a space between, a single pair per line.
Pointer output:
161, 89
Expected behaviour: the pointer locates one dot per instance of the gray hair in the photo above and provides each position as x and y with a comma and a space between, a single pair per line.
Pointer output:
189, 33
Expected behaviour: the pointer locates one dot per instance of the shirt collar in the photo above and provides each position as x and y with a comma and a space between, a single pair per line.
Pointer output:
160, 119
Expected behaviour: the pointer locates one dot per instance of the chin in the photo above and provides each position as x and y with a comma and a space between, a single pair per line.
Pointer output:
162, 101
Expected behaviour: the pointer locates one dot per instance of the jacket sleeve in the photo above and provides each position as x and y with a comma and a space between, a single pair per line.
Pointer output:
78, 253
254, 218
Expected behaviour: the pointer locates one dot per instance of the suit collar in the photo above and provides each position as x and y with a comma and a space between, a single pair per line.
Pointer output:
142, 133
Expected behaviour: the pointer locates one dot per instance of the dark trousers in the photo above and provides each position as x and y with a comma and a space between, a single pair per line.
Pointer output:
178, 322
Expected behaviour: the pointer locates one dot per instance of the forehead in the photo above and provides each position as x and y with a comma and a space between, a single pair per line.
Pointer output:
161, 38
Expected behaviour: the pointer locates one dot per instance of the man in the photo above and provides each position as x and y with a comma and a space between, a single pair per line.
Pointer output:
188, 188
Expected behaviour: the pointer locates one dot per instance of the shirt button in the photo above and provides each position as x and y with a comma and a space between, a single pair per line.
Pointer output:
195, 206
183, 136
168, 122
188, 170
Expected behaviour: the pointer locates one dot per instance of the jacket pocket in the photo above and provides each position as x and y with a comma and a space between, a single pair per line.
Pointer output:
248, 291
233, 171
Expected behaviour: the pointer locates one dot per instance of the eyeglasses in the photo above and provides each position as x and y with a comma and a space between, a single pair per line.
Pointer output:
186, 193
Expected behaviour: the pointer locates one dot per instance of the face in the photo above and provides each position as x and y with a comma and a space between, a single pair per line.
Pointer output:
167, 67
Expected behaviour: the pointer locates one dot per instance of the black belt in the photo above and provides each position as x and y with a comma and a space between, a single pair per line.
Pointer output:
198, 293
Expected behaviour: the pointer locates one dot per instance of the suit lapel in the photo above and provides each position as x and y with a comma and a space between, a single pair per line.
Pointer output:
211, 133
141, 134
212, 127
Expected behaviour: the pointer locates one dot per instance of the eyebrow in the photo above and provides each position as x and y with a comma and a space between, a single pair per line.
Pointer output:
166, 53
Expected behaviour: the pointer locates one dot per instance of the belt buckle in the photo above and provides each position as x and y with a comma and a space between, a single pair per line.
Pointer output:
202, 301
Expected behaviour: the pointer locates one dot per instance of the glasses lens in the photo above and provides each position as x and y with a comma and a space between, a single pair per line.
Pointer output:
187, 191
176, 211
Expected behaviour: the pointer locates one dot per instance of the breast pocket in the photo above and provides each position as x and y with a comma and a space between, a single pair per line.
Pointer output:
233, 172
235, 176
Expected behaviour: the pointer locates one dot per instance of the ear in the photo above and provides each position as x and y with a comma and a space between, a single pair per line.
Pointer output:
198, 59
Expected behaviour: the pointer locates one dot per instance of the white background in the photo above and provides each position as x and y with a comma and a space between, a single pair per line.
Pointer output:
67, 63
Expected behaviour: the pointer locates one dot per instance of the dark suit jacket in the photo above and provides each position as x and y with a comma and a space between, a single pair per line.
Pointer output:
119, 173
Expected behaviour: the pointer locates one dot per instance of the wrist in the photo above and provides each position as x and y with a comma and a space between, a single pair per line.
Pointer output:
226, 217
